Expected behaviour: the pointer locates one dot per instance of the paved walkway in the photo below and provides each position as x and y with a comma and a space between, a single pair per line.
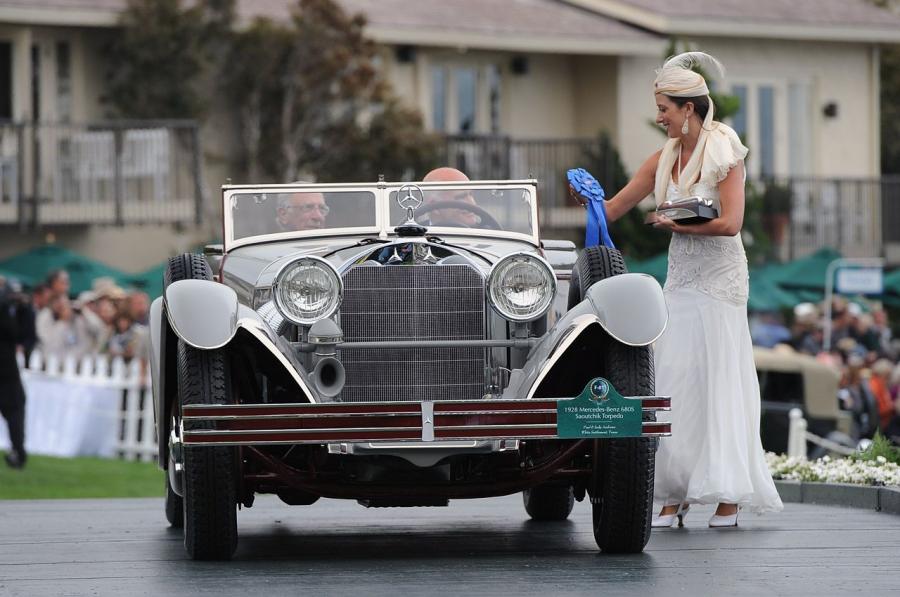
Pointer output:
123, 547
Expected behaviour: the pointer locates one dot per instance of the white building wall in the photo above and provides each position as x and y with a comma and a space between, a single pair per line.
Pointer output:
595, 95
841, 146
542, 101
539, 103
637, 139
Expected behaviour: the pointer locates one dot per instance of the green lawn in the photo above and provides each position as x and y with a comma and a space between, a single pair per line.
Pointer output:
47, 477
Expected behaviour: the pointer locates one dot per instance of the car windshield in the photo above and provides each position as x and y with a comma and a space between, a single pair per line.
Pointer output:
258, 214
508, 209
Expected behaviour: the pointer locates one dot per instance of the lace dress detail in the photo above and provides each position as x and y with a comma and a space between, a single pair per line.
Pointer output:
715, 265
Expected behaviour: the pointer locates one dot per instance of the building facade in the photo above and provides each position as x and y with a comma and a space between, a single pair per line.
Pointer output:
540, 75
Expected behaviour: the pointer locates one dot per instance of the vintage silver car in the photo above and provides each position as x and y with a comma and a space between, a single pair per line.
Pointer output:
403, 345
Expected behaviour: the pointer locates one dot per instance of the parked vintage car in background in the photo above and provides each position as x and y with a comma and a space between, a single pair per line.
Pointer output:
403, 345
789, 380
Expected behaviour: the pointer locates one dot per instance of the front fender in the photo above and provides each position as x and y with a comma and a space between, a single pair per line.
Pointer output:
163, 350
203, 313
156, 332
629, 307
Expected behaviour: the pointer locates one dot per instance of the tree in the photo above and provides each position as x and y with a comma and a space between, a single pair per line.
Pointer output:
393, 144
159, 54
307, 97
312, 92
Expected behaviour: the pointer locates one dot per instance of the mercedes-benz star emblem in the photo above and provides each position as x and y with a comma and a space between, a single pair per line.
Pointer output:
407, 199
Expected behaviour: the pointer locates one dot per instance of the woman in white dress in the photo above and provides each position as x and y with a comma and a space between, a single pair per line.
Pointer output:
704, 360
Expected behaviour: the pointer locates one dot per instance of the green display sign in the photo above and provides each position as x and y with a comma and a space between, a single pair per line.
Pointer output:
599, 411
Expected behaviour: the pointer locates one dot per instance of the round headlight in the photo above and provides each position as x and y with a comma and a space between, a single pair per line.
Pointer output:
307, 290
521, 287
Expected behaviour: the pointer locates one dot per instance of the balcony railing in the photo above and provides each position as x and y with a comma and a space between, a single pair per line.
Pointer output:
105, 173
858, 217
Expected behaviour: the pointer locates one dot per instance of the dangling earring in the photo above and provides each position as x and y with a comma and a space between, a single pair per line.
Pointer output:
684, 127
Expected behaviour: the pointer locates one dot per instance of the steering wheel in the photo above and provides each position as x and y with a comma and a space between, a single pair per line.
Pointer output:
487, 220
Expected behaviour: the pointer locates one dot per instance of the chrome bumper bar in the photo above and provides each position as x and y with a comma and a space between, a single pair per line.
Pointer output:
268, 424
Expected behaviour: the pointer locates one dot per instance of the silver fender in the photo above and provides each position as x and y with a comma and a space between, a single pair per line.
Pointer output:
203, 313
629, 307
156, 348
163, 339
207, 318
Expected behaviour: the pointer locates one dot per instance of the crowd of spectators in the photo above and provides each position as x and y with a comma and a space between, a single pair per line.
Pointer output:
104, 320
861, 347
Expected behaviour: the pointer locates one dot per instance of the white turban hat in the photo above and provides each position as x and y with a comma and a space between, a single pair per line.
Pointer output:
676, 79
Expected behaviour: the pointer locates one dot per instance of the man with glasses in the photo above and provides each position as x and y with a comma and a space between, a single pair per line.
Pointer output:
450, 217
301, 211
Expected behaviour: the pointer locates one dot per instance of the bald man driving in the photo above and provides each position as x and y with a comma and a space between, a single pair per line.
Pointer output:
450, 217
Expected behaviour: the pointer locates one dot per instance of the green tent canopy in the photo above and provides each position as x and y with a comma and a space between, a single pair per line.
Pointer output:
35, 264
766, 294
21, 278
805, 272
655, 266
892, 283
149, 281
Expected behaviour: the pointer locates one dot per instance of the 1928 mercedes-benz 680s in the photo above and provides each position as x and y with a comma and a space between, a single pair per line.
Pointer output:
403, 345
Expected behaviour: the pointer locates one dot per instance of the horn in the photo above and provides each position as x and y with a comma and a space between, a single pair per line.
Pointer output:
329, 376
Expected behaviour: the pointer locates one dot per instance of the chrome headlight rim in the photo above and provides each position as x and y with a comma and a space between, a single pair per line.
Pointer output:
544, 304
278, 299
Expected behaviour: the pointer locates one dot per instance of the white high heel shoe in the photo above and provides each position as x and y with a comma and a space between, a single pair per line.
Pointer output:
667, 520
729, 520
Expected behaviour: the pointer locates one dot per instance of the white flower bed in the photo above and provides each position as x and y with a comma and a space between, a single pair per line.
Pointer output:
830, 470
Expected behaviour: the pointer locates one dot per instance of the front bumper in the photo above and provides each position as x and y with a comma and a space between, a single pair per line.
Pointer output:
269, 424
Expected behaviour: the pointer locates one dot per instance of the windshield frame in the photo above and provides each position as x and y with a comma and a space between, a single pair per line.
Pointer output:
382, 228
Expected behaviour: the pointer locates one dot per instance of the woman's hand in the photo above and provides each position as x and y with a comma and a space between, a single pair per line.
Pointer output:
663, 223
578, 197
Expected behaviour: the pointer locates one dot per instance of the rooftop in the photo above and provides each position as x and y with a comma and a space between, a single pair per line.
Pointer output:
566, 26
827, 20
524, 25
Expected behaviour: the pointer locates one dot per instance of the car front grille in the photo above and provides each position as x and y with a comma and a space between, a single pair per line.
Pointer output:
413, 302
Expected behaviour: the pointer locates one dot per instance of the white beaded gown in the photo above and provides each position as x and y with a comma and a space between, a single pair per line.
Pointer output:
704, 361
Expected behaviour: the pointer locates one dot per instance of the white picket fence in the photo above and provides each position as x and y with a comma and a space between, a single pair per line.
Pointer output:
136, 434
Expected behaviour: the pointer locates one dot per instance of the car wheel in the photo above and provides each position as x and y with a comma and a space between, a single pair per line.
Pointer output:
210, 472
593, 264
187, 266
174, 473
622, 498
549, 502
622, 490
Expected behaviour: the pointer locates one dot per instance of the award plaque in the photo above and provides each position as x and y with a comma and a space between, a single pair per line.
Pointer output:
690, 210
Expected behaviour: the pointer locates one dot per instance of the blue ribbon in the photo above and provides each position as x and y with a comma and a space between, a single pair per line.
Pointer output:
597, 230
